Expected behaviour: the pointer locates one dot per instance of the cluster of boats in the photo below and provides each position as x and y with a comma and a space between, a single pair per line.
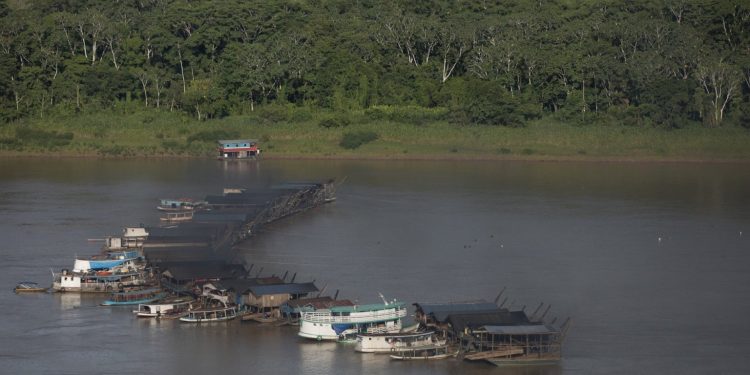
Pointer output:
202, 291
375, 328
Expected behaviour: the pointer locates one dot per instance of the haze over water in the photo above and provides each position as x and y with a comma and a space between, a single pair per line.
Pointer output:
647, 259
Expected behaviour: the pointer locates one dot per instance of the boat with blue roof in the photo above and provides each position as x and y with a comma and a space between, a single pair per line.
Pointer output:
177, 205
98, 282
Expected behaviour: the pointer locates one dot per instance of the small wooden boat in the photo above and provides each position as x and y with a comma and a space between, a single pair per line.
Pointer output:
176, 205
175, 217
29, 287
219, 314
261, 318
424, 353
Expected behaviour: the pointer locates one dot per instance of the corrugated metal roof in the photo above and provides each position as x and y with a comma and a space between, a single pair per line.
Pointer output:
524, 329
370, 307
319, 303
295, 289
441, 310
243, 285
474, 320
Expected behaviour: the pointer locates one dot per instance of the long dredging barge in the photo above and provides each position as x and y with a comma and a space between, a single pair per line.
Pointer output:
185, 269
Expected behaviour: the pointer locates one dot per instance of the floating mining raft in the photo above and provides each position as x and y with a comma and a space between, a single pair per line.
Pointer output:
199, 246
224, 220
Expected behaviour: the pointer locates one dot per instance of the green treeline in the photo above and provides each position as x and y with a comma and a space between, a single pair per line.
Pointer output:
663, 63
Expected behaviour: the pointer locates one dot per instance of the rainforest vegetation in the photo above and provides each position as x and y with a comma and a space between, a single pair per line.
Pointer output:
331, 65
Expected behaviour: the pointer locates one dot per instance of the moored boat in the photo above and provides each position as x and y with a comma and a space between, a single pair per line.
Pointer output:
390, 342
86, 265
168, 308
91, 282
345, 322
175, 205
262, 317
215, 314
424, 353
29, 287
135, 297
176, 217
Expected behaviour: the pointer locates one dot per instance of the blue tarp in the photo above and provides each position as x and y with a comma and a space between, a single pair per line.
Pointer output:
106, 264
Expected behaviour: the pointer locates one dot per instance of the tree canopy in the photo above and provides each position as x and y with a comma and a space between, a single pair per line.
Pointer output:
636, 62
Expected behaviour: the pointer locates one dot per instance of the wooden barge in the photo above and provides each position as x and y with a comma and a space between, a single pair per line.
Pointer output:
484, 331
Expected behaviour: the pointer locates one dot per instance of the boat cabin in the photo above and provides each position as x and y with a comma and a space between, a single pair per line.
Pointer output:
264, 298
265, 294
233, 149
134, 236
293, 309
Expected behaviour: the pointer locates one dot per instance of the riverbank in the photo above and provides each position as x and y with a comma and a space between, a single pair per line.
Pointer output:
159, 134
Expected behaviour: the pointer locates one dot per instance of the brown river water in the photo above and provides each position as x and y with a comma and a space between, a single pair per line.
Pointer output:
650, 260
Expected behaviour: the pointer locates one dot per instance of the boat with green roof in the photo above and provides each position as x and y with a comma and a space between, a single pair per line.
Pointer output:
344, 322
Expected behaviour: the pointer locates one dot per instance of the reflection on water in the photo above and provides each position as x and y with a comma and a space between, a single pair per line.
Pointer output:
69, 301
317, 357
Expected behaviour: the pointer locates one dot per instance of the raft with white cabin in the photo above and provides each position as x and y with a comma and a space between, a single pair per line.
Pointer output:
174, 307
394, 342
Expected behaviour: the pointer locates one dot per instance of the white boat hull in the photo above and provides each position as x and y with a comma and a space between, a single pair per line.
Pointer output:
325, 331
395, 342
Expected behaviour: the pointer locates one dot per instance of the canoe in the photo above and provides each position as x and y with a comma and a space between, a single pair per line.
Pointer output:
29, 287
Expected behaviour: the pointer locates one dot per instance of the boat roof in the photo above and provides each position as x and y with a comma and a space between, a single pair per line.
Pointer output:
243, 285
319, 302
370, 307
291, 288
177, 200
167, 301
474, 320
139, 291
112, 277
441, 311
210, 309
523, 329
397, 335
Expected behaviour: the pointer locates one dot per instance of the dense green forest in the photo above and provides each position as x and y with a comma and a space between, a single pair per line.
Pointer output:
668, 63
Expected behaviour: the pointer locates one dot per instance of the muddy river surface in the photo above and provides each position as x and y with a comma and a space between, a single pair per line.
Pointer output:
651, 261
